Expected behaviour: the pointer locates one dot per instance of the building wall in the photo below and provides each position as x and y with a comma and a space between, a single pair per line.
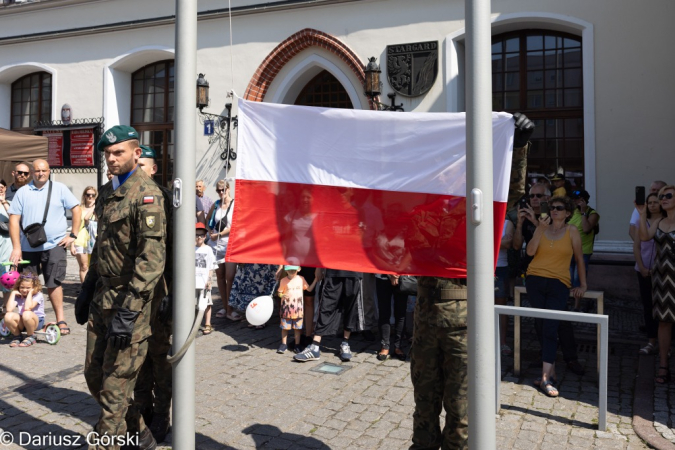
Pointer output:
630, 67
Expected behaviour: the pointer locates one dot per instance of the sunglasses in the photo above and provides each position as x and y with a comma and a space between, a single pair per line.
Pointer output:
200, 236
536, 195
558, 208
220, 190
667, 196
90, 195
25, 174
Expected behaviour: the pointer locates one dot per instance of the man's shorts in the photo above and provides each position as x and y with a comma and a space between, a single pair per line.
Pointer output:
49, 263
291, 324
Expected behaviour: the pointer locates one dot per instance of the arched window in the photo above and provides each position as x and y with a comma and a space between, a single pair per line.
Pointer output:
152, 113
539, 73
324, 90
31, 101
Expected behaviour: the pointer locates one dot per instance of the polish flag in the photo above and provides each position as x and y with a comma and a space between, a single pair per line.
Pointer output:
367, 191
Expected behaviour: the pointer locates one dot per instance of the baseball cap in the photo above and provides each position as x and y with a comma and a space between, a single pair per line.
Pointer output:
581, 194
200, 226
116, 134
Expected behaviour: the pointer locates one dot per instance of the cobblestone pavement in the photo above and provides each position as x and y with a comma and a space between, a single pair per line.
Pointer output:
248, 396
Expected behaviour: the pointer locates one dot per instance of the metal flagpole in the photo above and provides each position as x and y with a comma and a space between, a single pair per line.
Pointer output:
480, 242
184, 224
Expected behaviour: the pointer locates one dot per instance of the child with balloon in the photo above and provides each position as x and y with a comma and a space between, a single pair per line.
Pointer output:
25, 309
290, 291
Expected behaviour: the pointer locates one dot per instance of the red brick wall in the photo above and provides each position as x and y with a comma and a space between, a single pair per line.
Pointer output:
285, 51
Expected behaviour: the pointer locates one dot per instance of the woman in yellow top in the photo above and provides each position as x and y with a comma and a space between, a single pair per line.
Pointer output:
548, 278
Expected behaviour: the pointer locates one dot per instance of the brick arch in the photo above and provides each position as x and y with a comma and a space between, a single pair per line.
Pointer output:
291, 46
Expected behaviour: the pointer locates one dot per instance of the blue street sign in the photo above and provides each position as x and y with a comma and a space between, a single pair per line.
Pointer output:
208, 127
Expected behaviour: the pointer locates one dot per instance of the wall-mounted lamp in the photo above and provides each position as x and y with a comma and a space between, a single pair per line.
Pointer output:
373, 87
202, 92
221, 129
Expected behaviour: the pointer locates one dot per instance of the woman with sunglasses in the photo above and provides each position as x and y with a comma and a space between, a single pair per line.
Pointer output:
219, 223
81, 248
645, 253
662, 230
548, 279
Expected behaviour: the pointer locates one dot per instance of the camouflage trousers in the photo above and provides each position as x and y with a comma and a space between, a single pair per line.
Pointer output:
153, 387
111, 374
438, 368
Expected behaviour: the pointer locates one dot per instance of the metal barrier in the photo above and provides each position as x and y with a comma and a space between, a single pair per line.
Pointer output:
598, 296
603, 335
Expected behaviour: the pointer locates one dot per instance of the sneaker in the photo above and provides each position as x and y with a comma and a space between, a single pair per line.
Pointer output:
345, 351
282, 348
311, 353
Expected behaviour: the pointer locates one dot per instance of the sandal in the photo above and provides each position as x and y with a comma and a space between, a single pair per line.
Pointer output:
548, 389
15, 343
649, 349
30, 340
383, 354
207, 329
400, 355
221, 313
234, 317
65, 331
663, 379
537, 381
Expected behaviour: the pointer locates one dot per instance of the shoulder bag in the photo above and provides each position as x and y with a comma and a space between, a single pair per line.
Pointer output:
408, 284
35, 232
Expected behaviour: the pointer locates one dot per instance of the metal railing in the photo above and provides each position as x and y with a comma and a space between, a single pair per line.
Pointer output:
598, 296
603, 335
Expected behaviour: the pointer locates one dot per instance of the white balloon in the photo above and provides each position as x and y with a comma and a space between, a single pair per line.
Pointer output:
259, 311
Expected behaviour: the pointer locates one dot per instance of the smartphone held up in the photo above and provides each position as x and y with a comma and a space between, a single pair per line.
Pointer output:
639, 195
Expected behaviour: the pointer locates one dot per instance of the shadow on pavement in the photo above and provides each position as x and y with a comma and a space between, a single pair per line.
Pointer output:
45, 427
548, 416
270, 436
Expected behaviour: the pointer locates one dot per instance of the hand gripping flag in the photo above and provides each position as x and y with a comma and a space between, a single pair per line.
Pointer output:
366, 191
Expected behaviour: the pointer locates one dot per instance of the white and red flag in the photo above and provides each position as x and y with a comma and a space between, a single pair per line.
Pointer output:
367, 191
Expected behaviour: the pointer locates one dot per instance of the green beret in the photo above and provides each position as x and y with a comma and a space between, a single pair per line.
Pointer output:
116, 134
147, 152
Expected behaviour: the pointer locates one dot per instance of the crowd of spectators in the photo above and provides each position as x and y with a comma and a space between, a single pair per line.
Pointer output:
547, 243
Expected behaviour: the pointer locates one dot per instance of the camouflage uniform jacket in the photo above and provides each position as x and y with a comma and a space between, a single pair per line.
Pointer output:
131, 245
516, 191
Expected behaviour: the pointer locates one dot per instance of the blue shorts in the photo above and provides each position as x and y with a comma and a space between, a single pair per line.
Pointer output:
41, 322
502, 282
291, 324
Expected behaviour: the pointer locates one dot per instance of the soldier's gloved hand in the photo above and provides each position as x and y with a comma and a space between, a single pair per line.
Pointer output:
121, 328
524, 129
165, 309
85, 297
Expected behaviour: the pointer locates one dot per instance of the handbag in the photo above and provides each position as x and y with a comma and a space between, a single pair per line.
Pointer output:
35, 232
4, 229
407, 284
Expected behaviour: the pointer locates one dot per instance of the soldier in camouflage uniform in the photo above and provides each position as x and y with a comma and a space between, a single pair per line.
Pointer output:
152, 394
438, 363
128, 260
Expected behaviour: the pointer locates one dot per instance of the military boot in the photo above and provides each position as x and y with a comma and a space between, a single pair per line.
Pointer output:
160, 426
146, 440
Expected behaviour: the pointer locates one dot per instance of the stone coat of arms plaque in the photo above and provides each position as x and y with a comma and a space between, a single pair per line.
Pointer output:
412, 68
